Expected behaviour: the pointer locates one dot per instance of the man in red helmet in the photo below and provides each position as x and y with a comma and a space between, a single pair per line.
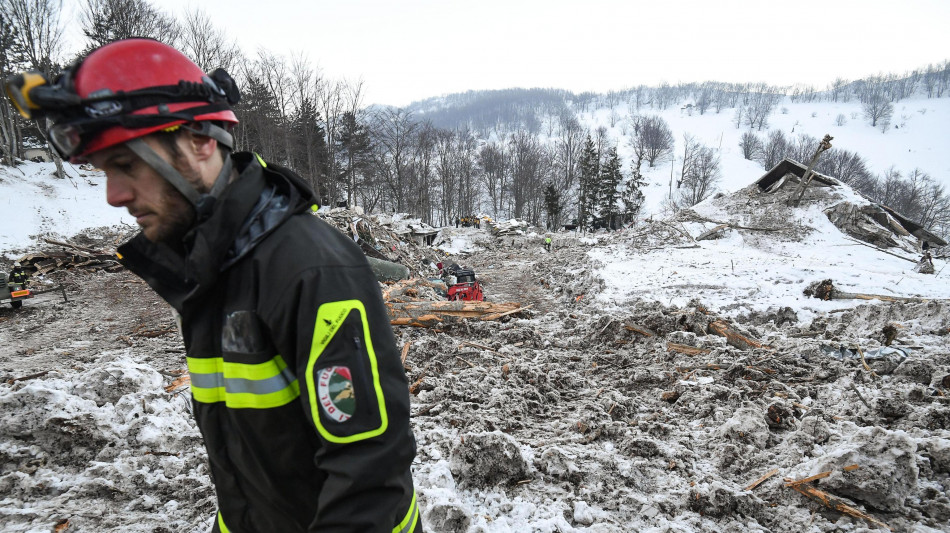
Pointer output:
297, 385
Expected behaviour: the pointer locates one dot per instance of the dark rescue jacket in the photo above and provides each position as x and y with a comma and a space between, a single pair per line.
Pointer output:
296, 382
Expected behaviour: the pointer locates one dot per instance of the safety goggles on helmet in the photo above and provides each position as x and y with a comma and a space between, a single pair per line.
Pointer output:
77, 120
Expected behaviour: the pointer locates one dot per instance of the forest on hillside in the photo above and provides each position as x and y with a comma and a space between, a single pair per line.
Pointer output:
515, 153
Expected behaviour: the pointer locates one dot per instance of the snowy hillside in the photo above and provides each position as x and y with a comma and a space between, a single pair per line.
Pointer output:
37, 205
918, 141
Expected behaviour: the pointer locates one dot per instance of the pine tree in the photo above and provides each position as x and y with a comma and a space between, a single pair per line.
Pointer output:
589, 165
632, 196
354, 149
608, 196
552, 203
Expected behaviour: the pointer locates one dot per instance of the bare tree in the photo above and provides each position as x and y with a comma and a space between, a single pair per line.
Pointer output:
701, 181
691, 149
104, 21
331, 99
38, 43
394, 132
528, 173
704, 97
9, 119
875, 101
839, 90
206, 44
652, 139
492, 161
774, 150
751, 145
761, 103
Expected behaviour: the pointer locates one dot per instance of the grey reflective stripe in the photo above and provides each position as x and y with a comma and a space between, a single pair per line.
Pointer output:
411, 516
238, 385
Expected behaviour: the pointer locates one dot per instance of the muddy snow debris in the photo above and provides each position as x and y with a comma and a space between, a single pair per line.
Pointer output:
573, 416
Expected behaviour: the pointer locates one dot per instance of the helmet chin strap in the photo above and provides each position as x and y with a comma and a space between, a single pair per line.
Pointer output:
203, 203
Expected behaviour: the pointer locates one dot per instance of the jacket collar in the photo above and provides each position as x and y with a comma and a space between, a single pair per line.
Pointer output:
178, 278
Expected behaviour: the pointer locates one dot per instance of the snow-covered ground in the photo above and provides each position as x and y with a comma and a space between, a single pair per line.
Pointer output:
746, 271
36, 204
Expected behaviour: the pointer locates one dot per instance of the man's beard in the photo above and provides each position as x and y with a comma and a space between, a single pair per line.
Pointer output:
179, 216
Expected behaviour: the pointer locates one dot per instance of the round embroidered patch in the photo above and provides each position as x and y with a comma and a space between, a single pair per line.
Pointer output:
336, 394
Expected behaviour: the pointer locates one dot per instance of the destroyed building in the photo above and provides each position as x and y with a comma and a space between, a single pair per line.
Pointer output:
867, 221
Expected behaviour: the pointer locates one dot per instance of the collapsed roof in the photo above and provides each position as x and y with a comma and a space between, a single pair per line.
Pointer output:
873, 223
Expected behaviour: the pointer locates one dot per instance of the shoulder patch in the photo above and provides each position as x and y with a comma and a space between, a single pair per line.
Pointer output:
336, 393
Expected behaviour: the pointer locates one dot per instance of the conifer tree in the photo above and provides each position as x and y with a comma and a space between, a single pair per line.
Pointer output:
611, 177
354, 149
589, 164
552, 203
632, 196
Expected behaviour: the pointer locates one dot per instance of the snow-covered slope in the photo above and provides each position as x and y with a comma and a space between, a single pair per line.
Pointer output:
36, 204
917, 139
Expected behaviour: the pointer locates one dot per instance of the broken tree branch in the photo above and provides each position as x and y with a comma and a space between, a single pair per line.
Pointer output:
734, 338
881, 249
836, 504
762, 479
684, 349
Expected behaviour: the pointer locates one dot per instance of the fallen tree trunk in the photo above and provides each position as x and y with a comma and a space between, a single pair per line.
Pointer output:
734, 338
684, 349
826, 290
387, 270
427, 314
832, 502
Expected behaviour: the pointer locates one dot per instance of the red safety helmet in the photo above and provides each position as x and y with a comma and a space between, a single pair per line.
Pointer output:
123, 91
141, 64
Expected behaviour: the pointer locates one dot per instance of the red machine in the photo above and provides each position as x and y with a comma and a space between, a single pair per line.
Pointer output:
466, 287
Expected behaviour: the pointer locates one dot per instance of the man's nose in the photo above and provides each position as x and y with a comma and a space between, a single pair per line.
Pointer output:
118, 191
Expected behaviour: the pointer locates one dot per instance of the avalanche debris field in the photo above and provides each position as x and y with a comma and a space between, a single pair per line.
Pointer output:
574, 415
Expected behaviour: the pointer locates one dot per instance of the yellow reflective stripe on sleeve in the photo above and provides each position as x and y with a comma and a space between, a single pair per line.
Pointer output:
242, 386
330, 317
408, 523
260, 160
221, 526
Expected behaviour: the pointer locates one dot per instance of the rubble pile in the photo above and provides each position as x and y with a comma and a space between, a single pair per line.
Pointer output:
561, 413
388, 237
618, 422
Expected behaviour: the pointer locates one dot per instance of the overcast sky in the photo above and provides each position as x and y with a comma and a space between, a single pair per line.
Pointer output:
407, 50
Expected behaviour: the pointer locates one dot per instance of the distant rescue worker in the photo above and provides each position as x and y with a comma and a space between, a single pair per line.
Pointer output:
296, 381
19, 275
547, 243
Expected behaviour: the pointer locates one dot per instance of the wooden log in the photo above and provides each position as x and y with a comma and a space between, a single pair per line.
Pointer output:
405, 352
762, 479
425, 321
836, 504
684, 349
178, 383
818, 476
462, 309
711, 234
734, 338
496, 316
639, 330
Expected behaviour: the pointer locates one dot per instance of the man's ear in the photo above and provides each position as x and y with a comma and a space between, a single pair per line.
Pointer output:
201, 146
